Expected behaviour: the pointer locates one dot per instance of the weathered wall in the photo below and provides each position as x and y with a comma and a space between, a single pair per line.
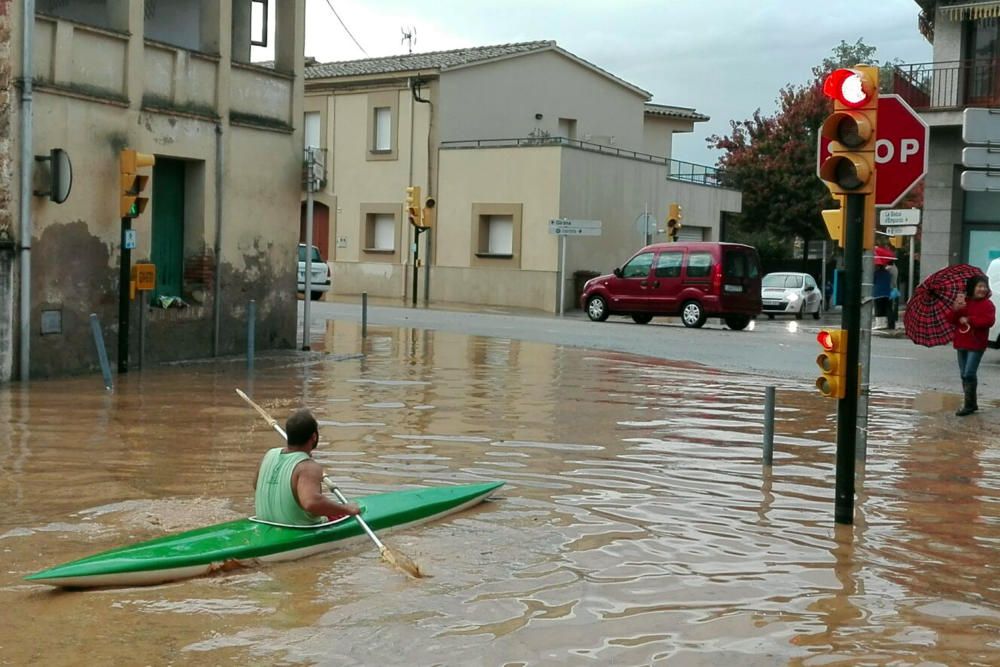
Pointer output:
8, 183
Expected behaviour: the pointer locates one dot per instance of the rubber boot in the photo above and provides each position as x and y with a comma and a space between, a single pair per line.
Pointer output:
973, 399
968, 391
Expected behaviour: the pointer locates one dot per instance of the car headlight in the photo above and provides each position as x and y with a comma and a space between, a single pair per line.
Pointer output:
793, 297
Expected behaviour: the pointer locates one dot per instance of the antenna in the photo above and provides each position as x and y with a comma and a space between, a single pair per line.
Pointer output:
409, 36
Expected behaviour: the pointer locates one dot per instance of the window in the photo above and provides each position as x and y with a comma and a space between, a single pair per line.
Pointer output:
496, 235
739, 265
380, 232
384, 231
699, 264
382, 141
312, 129
638, 266
669, 265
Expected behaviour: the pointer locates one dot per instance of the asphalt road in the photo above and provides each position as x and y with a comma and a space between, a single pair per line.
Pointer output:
783, 348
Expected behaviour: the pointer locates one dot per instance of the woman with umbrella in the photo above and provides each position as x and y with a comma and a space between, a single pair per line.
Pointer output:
972, 314
953, 306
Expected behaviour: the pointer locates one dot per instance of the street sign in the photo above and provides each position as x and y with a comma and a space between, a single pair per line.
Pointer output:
981, 157
899, 216
902, 230
900, 151
981, 181
981, 126
565, 227
144, 276
130, 238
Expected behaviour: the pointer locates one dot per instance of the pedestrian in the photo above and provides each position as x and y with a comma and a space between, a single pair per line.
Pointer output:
882, 286
893, 313
288, 486
972, 314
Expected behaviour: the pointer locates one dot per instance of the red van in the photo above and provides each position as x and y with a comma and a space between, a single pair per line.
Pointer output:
693, 280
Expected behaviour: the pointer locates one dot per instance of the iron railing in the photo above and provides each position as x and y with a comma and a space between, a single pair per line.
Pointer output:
676, 169
952, 84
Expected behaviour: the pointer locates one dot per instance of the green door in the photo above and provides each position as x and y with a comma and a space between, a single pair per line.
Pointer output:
168, 226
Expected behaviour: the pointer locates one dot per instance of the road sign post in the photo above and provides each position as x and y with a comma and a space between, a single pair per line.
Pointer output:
563, 227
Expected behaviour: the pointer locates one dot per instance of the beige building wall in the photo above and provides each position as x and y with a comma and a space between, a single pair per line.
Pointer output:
499, 100
658, 134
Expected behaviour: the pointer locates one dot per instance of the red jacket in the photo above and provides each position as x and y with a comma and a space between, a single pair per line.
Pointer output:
982, 315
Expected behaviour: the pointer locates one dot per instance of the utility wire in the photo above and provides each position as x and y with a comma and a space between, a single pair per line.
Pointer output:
344, 26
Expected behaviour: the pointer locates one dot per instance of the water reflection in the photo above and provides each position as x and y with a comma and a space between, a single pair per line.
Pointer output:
637, 527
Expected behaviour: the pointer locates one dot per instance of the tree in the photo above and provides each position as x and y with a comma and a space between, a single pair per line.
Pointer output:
772, 159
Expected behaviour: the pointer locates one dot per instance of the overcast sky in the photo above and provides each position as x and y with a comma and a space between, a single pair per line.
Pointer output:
726, 58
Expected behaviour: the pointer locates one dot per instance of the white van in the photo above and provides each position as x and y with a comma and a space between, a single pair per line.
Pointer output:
993, 273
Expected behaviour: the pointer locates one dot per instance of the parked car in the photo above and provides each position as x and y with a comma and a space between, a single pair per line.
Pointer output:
322, 277
791, 293
693, 280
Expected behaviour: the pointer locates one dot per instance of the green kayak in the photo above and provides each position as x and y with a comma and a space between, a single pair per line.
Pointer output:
246, 542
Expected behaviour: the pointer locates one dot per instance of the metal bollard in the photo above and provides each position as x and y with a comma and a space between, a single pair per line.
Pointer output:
102, 354
251, 321
769, 426
364, 314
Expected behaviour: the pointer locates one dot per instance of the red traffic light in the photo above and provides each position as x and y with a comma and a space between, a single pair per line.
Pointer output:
852, 88
826, 340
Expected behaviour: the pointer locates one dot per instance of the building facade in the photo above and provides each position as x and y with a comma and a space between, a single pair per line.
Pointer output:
958, 226
172, 79
504, 139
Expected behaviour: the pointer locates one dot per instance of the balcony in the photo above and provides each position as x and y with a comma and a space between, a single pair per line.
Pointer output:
948, 85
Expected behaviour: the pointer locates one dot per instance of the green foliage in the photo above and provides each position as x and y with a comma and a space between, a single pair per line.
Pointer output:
772, 159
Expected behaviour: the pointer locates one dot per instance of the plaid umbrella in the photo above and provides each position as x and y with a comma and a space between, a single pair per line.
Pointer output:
926, 317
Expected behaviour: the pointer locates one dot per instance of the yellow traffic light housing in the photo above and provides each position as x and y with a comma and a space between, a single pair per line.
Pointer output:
412, 205
674, 217
131, 202
833, 381
851, 130
429, 213
833, 218
898, 242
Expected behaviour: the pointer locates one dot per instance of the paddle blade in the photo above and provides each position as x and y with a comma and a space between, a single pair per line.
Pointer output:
401, 563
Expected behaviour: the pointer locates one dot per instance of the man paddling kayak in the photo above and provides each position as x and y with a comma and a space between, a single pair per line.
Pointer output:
288, 486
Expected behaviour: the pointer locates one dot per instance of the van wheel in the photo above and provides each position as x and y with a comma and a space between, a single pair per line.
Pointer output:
819, 311
737, 322
642, 318
692, 314
597, 309
770, 316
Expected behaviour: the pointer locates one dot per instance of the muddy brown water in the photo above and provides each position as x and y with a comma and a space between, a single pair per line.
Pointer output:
637, 525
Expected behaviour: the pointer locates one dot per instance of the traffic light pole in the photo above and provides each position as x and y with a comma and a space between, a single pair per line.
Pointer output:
416, 260
847, 407
125, 264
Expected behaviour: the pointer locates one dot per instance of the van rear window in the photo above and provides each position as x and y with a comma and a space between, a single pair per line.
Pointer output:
737, 264
699, 264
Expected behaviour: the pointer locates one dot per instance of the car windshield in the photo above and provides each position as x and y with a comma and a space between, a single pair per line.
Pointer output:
782, 280
315, 256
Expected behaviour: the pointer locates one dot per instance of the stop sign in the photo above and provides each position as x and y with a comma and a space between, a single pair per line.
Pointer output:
900, 150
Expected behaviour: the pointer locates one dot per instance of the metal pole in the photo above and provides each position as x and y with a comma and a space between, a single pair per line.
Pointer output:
416, 261
251, 332
307, 297
364, 314
865, 351
102, 354
769, 426
142, 328
645, 222
913, 276
24, 323
124, 264
217, 244
562, 272
847, 407
826, 306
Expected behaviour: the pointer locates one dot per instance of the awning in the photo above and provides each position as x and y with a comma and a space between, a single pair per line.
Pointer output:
972, 10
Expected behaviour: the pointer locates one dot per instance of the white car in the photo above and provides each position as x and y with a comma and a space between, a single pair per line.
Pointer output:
322, 277
993, 273
790, 293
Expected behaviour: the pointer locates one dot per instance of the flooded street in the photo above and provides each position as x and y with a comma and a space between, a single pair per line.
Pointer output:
637, 525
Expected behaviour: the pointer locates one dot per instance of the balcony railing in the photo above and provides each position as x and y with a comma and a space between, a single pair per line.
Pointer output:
676, 169
948, 85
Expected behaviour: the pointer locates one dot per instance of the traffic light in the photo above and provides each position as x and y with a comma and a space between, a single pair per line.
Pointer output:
131, 203
834, 220
897, 242
833, 382
428, 214
851, 129
413, 210
674, 217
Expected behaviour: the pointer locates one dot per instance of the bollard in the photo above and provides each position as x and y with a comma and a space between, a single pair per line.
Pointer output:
102, 354
251, 317
364, 314
769, 426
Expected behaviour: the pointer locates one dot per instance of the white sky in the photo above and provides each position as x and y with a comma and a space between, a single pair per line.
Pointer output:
726, 58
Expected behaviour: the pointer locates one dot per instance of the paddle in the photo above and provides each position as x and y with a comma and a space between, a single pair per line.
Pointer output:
399, 562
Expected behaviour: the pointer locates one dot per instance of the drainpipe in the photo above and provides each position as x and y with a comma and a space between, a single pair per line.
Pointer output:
414, 90
217, 274
27, 28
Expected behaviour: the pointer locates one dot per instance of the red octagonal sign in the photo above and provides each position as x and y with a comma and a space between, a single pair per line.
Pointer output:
900, 150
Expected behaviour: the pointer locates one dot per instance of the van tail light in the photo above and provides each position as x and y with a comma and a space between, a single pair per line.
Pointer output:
717, 279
